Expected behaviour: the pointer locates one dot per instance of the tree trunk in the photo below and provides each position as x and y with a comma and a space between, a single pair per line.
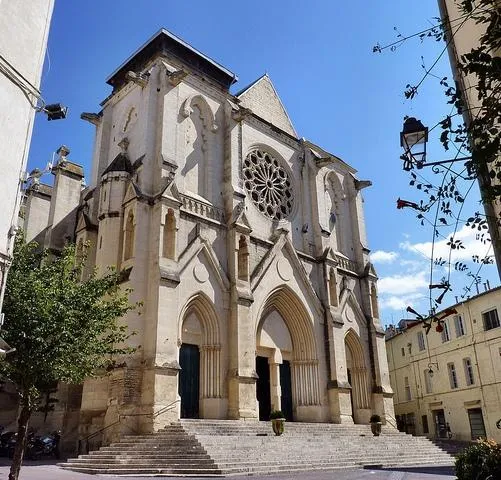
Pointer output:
22, 427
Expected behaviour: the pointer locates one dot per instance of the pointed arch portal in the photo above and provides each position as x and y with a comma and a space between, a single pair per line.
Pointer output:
199, 356
287, 355
357, 376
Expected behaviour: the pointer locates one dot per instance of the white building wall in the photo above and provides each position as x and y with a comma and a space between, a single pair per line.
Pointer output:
481, 346
23, 41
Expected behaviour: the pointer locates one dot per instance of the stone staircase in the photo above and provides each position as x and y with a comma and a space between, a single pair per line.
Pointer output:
229, 447
452, 447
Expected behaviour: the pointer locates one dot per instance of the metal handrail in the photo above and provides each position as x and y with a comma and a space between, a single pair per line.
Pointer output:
391, 421
120, 417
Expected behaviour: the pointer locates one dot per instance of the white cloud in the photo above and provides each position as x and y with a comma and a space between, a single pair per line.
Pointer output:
380, 256
466, 235
394, 302
403, 284
397, 292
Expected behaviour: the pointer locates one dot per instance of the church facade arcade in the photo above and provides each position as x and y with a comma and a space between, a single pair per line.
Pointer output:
246, 245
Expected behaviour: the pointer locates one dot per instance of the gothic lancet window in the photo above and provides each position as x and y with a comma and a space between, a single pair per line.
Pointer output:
375, 310
333, 288
333, 203
129, 237
243, 259
169, 244
195, 168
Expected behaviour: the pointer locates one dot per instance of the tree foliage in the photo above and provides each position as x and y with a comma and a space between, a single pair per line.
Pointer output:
481, 461
63, 329
471, 130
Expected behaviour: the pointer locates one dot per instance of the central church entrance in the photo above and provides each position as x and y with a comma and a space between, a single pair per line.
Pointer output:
263, 392
264, 388
286, 362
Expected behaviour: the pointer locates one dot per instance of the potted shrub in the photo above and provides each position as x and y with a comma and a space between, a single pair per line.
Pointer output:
277, 421
375, 425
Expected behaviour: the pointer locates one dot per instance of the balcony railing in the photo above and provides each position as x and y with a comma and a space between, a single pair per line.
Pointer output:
203, 209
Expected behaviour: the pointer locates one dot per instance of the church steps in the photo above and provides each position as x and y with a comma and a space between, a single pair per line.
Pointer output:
242, 448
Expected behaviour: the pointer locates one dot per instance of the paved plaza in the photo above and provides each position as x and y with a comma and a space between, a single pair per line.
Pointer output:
49, 471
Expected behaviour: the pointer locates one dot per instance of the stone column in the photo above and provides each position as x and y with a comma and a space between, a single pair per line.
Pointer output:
242, 382
338, 387
275, 387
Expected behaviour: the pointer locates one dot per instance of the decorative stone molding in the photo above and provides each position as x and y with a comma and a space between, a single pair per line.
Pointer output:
361, 184
240, 114
176, 76
268, 184
94, 118
199, 100
140, 79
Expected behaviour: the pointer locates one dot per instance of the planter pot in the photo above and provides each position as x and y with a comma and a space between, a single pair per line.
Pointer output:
376, 428
278, 425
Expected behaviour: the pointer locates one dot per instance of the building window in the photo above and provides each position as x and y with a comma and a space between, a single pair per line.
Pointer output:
403, 351
445, 332
453, 378
491, 319
459, 324
427, 381
268, 184
420, 341
468, 371
408, 395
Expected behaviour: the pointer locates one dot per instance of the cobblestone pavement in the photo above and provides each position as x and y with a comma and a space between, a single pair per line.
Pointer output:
49, 471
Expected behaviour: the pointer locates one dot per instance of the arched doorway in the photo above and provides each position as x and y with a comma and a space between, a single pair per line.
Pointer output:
274, 354
358, 378
199, 384
286, 361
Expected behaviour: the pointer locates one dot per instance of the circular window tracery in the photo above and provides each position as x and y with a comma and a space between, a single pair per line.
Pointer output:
268, 184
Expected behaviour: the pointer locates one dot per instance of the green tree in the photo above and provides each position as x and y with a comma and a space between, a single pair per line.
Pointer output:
63, 328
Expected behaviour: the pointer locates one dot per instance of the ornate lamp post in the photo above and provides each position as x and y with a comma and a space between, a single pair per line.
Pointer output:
413, 139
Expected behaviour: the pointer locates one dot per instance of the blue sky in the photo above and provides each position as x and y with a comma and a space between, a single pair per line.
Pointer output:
337, 92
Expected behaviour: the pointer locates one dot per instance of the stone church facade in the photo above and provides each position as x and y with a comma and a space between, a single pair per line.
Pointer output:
245, 243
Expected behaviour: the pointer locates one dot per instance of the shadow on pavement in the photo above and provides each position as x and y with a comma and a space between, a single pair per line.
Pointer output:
6, 462
432, 470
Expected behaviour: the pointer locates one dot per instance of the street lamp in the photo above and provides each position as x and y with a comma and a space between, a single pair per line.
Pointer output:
430, 369
55, 111
413, 139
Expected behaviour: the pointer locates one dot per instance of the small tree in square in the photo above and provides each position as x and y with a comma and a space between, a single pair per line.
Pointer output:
63, 328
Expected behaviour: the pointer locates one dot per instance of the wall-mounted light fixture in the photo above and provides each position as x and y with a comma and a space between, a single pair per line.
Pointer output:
430, 368
55, 111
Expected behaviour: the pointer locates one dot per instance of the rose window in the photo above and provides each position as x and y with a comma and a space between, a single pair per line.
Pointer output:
268, 185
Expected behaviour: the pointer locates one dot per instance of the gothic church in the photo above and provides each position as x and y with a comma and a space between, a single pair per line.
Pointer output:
245, 243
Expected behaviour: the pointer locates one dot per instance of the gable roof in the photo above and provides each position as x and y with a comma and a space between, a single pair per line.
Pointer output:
119, 164
165, 42
262, 98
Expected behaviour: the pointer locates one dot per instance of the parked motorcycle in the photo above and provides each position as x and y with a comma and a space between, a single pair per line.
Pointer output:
43, 446
5, 440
